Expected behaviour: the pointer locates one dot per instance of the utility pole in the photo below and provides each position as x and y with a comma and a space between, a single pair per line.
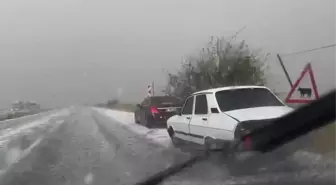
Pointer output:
284, 69
153, 87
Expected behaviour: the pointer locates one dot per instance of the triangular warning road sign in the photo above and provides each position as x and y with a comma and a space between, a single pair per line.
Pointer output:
304, 92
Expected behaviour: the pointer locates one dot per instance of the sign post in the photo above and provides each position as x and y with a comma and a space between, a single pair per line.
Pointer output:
284, 69
304, 92
150, 90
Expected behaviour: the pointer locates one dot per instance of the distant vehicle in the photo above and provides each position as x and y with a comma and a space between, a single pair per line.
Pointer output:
154, 111
14, 109
21, 105
217, 117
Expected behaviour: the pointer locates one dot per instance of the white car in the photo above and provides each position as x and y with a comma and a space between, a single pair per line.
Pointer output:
222, 115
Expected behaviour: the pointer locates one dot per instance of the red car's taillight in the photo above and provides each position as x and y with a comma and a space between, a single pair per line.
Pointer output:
247, 143
154, 110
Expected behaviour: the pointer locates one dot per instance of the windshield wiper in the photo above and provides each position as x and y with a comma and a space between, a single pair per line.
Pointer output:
287, 128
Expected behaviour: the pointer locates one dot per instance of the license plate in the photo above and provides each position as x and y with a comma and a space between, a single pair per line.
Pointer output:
171, 109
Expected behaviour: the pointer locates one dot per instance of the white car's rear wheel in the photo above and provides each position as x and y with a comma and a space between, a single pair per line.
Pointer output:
208, 145
175, 141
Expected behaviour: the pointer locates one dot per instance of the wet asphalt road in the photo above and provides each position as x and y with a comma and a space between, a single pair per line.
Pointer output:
87, 147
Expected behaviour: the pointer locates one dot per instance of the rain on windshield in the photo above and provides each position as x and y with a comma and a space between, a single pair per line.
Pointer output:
76, 79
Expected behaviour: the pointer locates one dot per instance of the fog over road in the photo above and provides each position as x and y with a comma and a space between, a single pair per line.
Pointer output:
83, 145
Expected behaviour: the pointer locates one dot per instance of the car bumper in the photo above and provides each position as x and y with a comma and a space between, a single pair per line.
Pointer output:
159, 122
160, 119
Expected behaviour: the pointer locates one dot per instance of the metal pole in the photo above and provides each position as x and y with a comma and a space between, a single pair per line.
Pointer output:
284, 69
153, 88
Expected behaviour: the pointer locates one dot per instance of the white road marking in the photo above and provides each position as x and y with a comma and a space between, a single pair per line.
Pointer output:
4, 134
15, 131
12, 155
24, 153
88, 179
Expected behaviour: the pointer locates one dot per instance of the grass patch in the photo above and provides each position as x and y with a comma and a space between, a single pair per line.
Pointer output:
324, 139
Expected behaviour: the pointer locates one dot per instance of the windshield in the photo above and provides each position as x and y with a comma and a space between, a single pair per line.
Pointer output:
246, 98
96, 92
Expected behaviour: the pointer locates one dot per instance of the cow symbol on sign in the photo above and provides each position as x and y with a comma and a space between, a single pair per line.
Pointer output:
305, 91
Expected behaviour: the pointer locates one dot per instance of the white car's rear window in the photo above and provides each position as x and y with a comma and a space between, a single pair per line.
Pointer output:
246, 98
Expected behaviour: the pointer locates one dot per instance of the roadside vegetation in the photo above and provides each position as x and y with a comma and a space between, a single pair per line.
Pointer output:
221, 62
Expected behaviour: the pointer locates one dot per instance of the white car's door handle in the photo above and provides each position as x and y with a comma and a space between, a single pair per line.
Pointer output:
188, 117
204, 119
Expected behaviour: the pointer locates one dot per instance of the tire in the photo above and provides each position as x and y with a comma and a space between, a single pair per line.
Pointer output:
142, 120
148, 122
136, 120
207, 146
175, 141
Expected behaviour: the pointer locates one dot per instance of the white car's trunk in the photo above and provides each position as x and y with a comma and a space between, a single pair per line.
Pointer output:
259, 113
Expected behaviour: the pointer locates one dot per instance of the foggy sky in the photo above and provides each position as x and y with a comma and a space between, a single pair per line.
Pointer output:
64, 52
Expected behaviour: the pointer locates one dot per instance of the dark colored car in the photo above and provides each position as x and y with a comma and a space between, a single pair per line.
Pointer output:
154, 111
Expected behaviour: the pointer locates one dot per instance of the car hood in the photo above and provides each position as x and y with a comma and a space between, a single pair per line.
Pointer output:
259, 113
